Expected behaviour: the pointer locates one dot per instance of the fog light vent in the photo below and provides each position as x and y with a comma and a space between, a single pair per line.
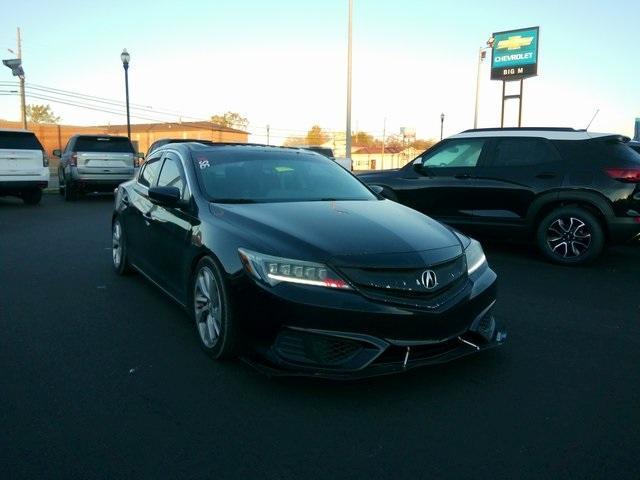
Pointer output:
311, 348
487, 325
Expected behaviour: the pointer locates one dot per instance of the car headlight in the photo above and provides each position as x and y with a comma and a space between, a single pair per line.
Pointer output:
273, 270
475, 256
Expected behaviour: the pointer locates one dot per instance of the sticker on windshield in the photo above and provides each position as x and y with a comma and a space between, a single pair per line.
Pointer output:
203, 163
283, 169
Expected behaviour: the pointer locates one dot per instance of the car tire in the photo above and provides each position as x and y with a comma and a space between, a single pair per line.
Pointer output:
570, 236
119, 253
32, 197
60, 184
70, 192
212, 310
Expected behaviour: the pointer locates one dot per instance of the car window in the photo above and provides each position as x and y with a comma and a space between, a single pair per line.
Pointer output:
19, 141
104, 144
455, 154
522, 152
170, 175
614, 149
149, 172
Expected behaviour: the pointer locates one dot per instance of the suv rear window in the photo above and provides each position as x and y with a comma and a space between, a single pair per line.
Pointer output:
19, 141
617, 150
104, 144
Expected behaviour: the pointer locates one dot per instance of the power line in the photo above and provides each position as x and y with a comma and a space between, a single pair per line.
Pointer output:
54, 95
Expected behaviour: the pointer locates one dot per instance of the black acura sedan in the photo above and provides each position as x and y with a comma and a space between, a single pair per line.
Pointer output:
281, 256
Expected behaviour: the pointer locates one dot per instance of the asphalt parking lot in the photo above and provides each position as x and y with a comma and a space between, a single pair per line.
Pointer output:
102, 377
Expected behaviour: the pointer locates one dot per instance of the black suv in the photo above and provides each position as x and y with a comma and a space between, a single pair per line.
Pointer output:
572, 191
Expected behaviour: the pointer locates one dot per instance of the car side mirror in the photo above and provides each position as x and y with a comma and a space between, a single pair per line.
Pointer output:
140, 155
377, 189
57, 153
418, 165
165, 196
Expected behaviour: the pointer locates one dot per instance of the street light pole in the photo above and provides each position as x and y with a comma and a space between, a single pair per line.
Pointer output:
125, 57
441, 125
349, 48
475, 115
481, 56
23, 101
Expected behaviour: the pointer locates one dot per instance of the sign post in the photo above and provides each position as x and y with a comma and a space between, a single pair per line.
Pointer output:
514, 58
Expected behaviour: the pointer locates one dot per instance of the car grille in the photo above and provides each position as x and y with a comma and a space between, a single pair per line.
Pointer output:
310, 348
403, 285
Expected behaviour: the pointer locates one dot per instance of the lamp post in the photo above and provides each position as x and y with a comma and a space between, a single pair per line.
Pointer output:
124, 56
482, 53
441, 124
349, 61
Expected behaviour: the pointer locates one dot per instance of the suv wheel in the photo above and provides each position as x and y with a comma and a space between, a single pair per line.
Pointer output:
70, 192
32, 197
570, 236
60, 183
212, 310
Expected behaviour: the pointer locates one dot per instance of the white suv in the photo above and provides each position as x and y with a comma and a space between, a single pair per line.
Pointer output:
24, 167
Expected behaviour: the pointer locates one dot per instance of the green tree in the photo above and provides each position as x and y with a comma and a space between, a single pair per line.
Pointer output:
230, 120
41, 114
316, 136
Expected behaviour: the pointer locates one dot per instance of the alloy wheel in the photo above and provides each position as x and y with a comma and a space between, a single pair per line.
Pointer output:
116, 244
568, 237
207, 308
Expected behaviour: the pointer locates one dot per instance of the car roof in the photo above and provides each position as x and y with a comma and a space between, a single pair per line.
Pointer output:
233, 146
15, 130
549, 133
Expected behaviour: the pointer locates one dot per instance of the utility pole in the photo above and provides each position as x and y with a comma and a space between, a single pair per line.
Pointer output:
482, 53
349, 48
384, 134
268, 128
480, 58
23, 102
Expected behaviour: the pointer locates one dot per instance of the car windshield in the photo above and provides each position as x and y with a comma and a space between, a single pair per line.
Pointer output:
104, 144
233, 177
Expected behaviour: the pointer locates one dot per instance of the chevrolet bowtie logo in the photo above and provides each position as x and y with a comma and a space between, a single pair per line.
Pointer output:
514, 43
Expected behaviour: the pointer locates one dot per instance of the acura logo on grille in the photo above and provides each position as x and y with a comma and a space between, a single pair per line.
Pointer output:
429, 279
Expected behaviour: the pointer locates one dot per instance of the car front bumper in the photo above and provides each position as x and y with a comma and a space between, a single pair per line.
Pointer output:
311, 331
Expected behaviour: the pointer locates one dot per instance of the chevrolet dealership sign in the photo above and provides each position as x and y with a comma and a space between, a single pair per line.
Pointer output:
515, 54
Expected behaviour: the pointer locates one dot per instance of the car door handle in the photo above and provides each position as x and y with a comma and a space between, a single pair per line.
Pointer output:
463, 175
546, 175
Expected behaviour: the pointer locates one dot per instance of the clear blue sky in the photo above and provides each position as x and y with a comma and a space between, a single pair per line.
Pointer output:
284, 62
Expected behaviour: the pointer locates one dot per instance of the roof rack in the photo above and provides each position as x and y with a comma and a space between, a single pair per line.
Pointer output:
520, 129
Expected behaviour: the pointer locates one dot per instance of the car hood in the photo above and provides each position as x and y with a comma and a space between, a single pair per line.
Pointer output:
345, 232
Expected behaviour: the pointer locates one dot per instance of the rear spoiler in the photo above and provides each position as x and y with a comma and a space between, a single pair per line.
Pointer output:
612, 138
